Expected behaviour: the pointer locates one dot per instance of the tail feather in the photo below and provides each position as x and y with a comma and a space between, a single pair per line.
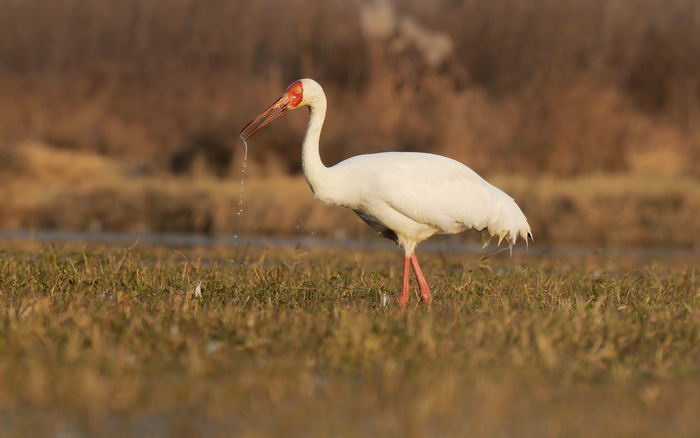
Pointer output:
507, 222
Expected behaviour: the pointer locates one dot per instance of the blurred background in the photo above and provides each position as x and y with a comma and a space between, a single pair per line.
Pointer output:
124, 116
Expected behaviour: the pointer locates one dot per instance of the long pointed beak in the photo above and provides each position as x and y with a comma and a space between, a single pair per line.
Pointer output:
265, 118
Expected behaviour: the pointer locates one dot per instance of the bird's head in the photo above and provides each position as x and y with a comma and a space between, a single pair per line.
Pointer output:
300, 93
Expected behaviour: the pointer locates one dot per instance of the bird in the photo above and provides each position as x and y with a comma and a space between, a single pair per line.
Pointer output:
406, 197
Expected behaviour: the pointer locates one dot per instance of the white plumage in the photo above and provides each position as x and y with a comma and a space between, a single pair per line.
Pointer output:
405, 196
417, 195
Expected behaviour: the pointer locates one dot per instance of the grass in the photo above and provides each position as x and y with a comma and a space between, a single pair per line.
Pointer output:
113, 342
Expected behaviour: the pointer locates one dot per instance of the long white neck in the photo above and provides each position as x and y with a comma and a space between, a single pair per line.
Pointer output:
314, 170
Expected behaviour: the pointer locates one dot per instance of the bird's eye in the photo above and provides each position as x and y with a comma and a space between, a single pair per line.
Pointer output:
298, 90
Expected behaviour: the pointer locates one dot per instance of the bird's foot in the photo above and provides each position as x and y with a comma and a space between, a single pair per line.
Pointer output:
403, 301
426, 297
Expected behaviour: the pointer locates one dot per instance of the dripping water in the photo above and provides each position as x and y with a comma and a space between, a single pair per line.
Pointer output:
240, 191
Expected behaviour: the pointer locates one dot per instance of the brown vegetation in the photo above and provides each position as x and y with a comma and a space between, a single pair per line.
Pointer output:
47, 189
563, 87
103, 102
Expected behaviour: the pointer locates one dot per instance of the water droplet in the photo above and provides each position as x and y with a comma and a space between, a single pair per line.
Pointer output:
240, 192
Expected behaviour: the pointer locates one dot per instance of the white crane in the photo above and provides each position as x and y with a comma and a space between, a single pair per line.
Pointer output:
405, 196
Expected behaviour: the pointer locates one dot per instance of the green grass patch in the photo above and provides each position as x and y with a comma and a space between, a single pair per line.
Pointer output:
115, 342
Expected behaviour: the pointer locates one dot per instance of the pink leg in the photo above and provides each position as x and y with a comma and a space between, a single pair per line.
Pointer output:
424, 288
403, 299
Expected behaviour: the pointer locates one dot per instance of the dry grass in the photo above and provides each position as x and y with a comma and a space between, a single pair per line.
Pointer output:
556, 87
44, 188
112, 342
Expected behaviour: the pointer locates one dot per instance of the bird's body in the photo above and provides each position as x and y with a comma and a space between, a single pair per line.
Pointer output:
405, 196
413, 196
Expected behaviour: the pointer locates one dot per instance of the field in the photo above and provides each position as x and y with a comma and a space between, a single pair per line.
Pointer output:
124, 117
109, 341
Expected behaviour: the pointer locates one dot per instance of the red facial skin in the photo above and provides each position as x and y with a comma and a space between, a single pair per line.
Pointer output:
295, 93
289, 100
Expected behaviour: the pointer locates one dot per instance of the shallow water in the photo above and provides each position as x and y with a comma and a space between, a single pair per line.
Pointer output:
437, 244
